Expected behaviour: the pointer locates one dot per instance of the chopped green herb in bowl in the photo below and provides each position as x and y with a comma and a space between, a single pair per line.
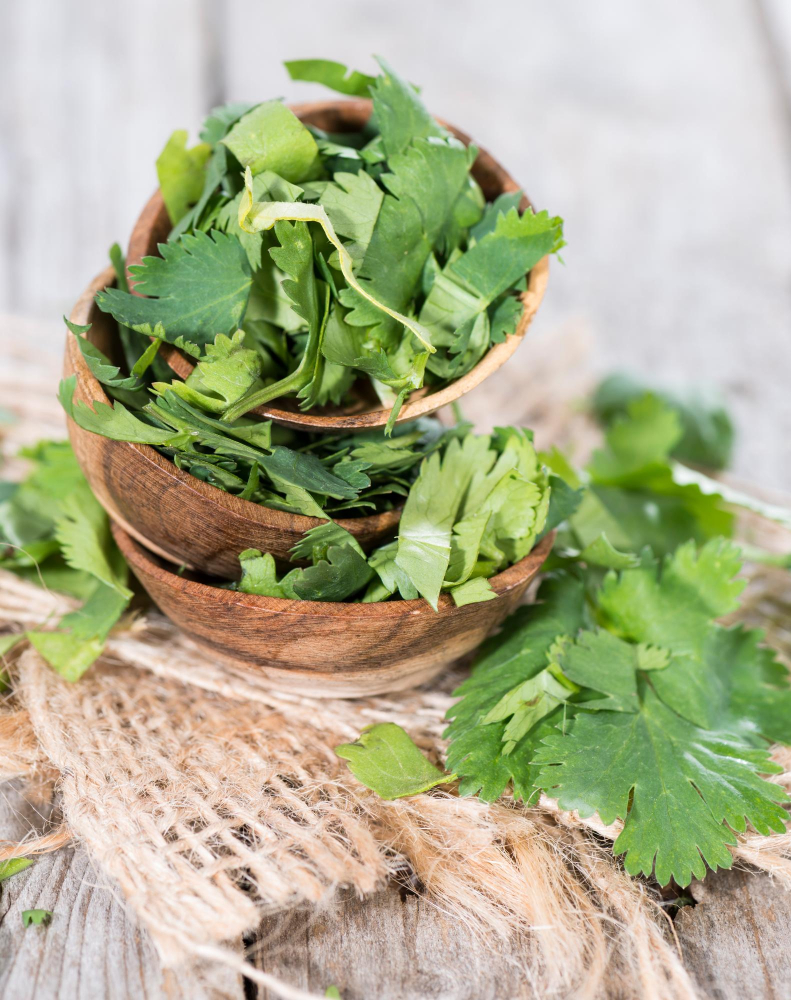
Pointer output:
363, 263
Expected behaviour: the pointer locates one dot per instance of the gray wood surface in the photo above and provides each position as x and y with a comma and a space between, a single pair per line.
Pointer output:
737, 940
91, 950
735, 943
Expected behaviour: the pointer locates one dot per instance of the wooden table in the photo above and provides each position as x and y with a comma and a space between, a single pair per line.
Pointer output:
736, 942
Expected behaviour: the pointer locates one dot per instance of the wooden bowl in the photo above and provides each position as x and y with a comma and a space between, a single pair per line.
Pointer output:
324, 649
179, 517
154, 225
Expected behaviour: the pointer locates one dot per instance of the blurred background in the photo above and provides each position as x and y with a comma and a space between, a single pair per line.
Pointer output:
661, 132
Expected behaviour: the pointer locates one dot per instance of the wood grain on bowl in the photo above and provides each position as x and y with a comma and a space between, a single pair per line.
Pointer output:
364, 413
174, 514
324, 649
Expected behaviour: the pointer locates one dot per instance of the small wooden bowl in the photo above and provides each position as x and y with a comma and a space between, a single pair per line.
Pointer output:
174, 514
323, 649
154, 225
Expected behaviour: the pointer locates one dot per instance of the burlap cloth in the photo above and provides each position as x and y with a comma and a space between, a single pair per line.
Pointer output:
212, 801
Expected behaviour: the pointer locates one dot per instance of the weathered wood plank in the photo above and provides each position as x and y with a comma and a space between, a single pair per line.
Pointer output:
91, 92
736, 942
91, 949
392, 946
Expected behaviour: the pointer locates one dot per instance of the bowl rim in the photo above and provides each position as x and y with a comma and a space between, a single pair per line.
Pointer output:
138, 556
239, 508
495, 357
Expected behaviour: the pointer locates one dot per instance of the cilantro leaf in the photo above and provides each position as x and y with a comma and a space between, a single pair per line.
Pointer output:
707, 429
752, 697
12, 866
316, 542
181, 173
423, 183
400, 113
352, 202
83, 533
101, 368
425, 529
341, 574
223, 376
114, 422
674, 609
259, 574
472, 592
685, 785
217, 124
334, 75
271, 137
386, 760
38, 917
504, 663
200, 285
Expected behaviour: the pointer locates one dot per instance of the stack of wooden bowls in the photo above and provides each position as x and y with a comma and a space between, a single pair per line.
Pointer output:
166, 521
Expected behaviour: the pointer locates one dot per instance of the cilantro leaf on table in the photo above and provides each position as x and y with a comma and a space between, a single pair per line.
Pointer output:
198, 288
37, 917
674, 785
14, 865
518, 653
63, 541
83, 533
634, 496
334, 75
386, 760
673, 608
707, 436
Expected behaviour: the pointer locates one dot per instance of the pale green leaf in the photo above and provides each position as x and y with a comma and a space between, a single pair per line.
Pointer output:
386, 760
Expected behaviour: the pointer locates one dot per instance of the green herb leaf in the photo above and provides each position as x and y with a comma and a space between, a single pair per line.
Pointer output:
38, 917
114, 422
181, 173
707, 429
200, 287
386, 760
12, 866
334, 75
685, 785
271, 137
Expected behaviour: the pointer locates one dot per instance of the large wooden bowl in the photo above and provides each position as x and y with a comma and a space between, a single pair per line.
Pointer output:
174, 514
154, 225
324, 649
